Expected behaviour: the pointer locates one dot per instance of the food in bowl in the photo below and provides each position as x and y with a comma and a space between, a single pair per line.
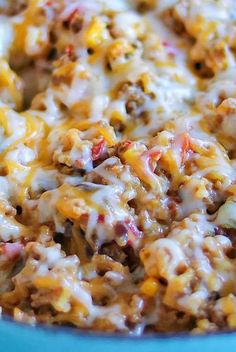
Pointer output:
118, 170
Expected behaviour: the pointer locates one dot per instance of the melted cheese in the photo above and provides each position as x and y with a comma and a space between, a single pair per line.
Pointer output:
117, 139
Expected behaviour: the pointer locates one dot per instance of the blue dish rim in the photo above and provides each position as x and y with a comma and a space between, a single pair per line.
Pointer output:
22, 337
86, 333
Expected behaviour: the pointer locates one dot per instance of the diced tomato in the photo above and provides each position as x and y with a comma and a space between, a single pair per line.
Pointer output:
98, 150
121, 229
186, 148
182, 147
84, 219
133, 232
72, 15
101, 218
123, 146
69, 14
69, 49
132, 228
152, 156
12, 250
127, 228
49, 3
155, 154
79, 164
126, 144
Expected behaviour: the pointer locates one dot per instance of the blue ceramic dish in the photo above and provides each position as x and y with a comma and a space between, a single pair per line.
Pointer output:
23, 338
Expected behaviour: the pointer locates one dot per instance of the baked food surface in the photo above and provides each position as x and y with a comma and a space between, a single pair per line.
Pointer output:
118, 170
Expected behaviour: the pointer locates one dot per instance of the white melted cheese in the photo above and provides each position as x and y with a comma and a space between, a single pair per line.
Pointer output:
6, 35
17, 129
109, 76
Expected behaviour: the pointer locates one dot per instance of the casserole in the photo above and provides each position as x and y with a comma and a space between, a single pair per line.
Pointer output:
118, 172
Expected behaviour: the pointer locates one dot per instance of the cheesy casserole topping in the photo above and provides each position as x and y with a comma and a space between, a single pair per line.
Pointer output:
118, 164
